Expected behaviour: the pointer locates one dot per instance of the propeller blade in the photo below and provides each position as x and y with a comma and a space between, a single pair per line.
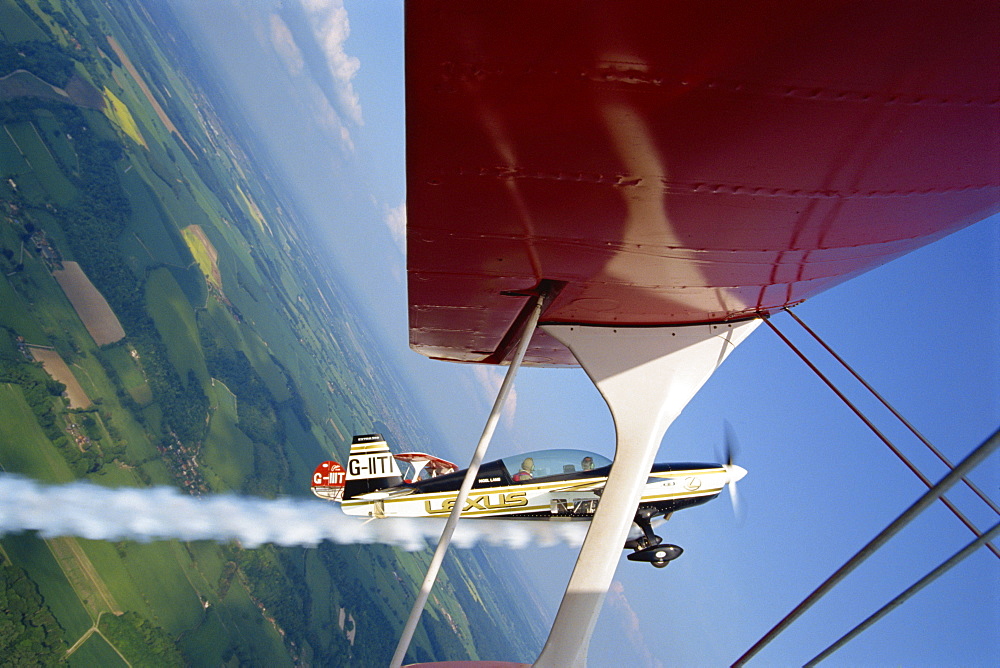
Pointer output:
735, 498
731, 445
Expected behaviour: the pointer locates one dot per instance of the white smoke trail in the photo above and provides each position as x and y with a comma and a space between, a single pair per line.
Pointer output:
86, 510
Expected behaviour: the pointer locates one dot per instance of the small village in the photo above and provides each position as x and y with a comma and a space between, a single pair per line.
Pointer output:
182, 460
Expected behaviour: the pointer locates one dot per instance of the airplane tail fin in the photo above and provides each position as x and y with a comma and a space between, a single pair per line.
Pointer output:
370, 467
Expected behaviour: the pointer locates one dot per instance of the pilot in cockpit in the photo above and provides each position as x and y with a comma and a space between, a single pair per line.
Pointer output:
527, 470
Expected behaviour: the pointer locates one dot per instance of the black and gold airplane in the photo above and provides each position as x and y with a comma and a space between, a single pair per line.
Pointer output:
541, 485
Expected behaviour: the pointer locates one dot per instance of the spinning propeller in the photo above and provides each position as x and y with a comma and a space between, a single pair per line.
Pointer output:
735, 472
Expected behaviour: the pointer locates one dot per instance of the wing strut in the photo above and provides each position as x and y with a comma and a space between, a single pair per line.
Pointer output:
921, 504
463, 492
913, 430
896, 451
646, 375
906, 595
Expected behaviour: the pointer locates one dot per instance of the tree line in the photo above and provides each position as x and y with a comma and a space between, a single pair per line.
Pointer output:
29, 633
142, 642
49, 62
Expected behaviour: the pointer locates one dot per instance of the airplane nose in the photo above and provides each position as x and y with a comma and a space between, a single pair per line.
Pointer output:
736, 473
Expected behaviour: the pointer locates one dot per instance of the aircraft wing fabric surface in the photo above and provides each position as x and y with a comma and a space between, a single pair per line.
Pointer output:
677, 162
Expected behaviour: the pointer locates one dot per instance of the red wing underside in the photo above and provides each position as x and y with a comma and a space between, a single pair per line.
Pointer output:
669, 163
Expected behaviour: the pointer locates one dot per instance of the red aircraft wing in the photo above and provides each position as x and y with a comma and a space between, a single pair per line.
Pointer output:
679, 162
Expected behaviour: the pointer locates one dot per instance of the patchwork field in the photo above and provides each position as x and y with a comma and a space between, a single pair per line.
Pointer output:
204, 254
95, 651
37, 457
89, 303
15, 311
41, 162
153, 103
83, 577
203, 343
16, 26
176, 323
59, 370
122, 117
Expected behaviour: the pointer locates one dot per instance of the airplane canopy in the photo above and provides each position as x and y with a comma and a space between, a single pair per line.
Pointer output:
544, 463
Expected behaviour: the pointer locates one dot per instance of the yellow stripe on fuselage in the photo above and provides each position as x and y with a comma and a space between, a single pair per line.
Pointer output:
684, 494
366, 448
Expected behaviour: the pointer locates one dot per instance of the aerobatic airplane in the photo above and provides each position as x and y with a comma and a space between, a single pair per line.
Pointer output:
539, 485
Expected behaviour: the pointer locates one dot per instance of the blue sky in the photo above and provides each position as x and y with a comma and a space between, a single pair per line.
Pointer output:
924, 330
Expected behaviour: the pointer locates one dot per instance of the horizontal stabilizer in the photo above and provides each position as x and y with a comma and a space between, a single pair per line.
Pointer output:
328, 481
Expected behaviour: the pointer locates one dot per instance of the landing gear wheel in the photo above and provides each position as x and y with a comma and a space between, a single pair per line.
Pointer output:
650, 547
658, 555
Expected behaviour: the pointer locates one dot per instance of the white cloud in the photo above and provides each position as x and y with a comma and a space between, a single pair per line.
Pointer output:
326, 116
489, 378
285, 46
345, 138
331, 28
395, 220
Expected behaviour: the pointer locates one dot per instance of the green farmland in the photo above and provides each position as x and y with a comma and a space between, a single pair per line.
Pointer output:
243, 364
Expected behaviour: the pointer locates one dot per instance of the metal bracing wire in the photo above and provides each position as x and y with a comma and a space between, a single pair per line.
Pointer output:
470, 476
906, 595
892, 410
924, 479
963, 467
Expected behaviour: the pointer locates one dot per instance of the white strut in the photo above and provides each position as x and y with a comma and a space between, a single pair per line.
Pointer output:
646, 375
